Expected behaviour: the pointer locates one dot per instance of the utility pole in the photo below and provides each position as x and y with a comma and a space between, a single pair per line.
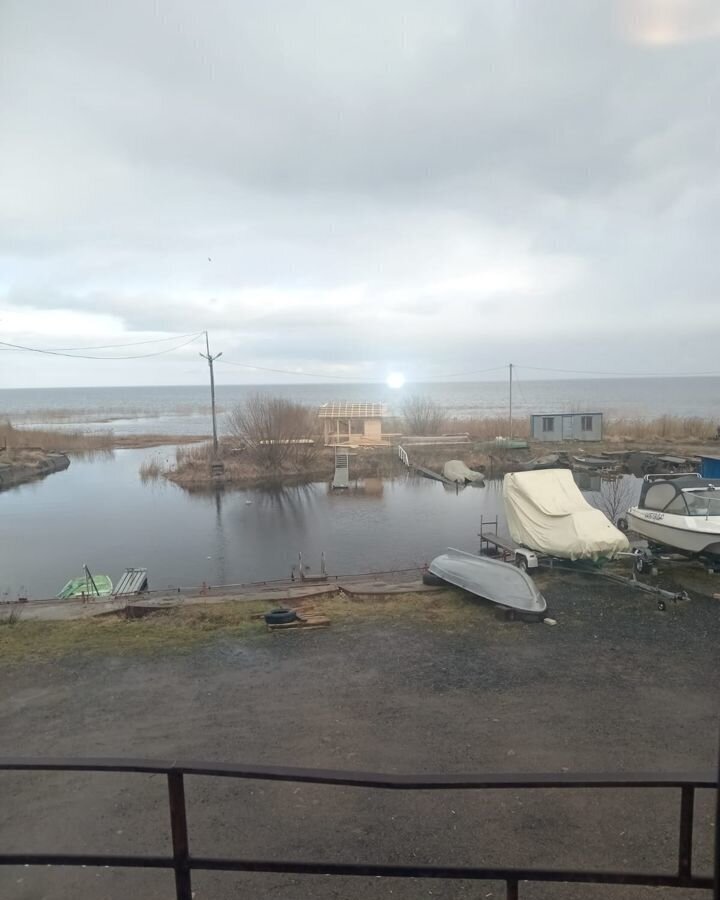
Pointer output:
211, 359
511, 421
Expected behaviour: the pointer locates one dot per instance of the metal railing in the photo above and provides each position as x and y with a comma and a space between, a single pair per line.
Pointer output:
183, 863
402, 455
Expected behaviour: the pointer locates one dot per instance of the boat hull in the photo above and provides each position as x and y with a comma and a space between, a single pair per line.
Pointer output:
690, 534
77, 588
499, 582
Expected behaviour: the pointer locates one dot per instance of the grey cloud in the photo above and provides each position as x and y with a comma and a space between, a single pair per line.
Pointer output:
359, 176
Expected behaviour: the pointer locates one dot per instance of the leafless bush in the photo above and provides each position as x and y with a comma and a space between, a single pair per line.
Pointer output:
276, 433
615, 497
423, 416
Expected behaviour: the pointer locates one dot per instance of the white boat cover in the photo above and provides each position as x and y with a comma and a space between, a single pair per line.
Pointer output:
546, 512
456, 470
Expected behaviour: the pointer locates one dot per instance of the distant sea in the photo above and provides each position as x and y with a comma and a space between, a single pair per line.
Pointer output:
184, 409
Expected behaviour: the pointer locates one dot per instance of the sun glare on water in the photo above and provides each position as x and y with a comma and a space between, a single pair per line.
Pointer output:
395, 380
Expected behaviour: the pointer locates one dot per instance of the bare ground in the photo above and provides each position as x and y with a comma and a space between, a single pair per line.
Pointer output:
433, 685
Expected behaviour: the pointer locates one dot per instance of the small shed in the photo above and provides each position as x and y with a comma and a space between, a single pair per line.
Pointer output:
710, 467
566, 426
352, 423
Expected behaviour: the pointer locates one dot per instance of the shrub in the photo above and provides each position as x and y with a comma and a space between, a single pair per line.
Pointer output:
275, 431
423, 416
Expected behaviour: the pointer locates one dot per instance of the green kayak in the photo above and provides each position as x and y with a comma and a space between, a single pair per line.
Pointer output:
90, 585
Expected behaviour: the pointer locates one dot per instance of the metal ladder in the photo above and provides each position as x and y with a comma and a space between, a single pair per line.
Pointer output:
341, 479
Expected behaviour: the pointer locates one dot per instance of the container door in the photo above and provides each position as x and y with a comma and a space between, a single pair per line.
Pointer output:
567, 427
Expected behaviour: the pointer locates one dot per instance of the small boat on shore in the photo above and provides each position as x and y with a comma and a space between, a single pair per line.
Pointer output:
86, 585
501, 583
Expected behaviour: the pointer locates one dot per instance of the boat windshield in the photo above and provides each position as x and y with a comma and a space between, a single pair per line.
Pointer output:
703, 503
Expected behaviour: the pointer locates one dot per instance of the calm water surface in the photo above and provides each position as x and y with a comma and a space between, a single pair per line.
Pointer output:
185, 409
99, 512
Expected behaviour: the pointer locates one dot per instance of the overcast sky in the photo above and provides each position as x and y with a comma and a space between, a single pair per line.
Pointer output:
355, 189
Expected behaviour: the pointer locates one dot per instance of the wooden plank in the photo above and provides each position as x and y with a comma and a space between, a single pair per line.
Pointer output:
310, 622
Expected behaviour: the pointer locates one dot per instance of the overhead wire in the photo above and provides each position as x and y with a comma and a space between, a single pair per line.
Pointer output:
621, 374
63, 353
344, 378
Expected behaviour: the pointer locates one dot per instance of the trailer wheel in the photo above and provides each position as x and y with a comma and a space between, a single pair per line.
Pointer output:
622, 524
639, 565
522, 563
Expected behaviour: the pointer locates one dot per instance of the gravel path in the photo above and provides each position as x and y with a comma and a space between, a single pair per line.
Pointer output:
617, 685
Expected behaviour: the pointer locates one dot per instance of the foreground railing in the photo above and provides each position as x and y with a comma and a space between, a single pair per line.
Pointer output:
183, 863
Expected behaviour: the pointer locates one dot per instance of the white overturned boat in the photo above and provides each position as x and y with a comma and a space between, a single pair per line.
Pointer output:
499, 582
680, 512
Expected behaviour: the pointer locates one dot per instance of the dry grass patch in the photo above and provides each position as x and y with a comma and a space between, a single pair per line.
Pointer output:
661, 428
181, 629
73, 442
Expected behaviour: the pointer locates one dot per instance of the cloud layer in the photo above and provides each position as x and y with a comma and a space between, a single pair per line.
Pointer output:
431, 188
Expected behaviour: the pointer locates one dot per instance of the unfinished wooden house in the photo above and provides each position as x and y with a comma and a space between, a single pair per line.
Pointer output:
353, 424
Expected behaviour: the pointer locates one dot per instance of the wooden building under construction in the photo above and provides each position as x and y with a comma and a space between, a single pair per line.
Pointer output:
353, 424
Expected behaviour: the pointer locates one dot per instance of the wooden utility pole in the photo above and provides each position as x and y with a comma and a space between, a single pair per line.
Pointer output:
511, 419
211, 359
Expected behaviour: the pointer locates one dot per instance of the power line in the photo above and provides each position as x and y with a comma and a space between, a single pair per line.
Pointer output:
177, 337
85, 356
625, 374
343, 378
347, 378
466, 374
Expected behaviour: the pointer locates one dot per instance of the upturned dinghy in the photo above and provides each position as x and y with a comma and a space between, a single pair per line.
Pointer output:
499, 582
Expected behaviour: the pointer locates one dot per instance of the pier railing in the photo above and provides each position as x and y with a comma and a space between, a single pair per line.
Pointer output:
182, 862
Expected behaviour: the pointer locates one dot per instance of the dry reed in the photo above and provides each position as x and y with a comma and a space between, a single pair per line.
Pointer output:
74, 442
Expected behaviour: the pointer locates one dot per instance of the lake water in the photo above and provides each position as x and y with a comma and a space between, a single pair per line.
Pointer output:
99, 512
185, 409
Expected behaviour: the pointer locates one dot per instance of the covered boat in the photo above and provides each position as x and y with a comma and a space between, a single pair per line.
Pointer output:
497, 581
547, 512
681, 512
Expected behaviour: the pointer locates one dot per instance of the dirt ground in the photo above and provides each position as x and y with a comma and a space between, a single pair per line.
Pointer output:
617, 685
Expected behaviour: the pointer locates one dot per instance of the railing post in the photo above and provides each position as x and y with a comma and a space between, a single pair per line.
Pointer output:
178, 828
716, 865
687, 806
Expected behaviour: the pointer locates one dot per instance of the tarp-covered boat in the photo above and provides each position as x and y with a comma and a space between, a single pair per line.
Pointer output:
547, 512
497, 581
456, 470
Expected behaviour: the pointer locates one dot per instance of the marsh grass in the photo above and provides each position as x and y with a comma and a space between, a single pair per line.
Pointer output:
75, 442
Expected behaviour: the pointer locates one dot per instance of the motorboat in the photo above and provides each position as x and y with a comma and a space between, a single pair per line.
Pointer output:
680, 512
499, 582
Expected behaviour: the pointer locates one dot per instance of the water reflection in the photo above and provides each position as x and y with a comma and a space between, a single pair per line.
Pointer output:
101, 513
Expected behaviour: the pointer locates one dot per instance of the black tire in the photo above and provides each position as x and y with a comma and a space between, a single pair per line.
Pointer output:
280, 617
522, 563
622, 524
661, 605
639, 565
432, 580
